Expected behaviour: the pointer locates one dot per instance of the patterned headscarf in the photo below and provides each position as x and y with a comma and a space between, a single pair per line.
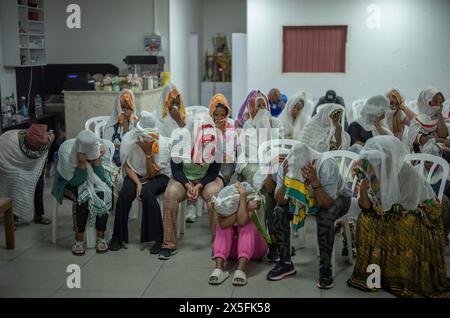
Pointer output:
243, 109
126, 96
173, 93
253, 102
215, 101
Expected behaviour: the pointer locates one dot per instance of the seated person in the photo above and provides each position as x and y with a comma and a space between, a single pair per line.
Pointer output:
400, 225
259, 117
294, 116
81, 176
324, 131
307, 184
329, 98
123, 120
220, 112
195, 176
23, 155
170, 112
371, 121
277, 101
239, 232
399, 114
430, 103
146, 163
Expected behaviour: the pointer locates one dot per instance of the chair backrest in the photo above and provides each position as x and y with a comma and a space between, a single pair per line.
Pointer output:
421, 158
345, 160
270, 148
97, 123
412, 104
446, 109
110, 148
192, 110
357, 105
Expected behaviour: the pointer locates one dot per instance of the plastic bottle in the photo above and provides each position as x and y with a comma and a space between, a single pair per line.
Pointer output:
38, 106
24, 107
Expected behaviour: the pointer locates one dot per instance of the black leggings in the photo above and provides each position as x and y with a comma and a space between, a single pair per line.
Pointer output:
39, 197
151, 223
81, 219
325, 229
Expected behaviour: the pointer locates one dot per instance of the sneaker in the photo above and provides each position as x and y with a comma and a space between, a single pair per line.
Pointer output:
191, 213
156, 248
280, 271
102, 246
166, 253
325, 278
78, 248
114, 244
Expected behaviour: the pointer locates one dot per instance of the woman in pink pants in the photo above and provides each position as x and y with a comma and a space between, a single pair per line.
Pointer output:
238, 237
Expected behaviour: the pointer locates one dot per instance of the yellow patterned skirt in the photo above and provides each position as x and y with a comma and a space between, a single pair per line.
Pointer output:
409, 250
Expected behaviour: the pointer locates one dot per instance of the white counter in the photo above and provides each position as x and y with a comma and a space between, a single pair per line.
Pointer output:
79, 106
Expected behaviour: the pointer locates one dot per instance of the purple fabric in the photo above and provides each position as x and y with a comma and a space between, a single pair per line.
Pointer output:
240, 116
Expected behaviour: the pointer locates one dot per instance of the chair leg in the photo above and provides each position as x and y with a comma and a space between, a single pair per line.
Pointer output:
9, 230
348, 234
54, 217
333, 258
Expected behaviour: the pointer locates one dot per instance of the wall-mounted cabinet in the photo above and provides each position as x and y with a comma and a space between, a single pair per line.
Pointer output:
23, 32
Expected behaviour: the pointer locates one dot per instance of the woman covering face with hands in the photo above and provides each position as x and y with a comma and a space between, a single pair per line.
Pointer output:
146, 156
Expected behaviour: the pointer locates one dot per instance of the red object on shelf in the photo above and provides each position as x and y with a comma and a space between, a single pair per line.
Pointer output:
33, 16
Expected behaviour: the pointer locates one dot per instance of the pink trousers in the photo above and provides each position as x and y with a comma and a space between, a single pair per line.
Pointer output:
249, 244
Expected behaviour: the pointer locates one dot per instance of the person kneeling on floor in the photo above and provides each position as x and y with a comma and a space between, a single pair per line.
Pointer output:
239, 232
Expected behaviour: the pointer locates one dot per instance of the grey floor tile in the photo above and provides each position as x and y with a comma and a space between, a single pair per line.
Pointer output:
192, 253
92, 294
131, 256
116, 278
301, 285
22, 245
26, 293
188, 282
33, 274
59, 252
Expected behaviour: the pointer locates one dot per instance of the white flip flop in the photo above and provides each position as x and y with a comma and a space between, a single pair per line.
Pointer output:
238, 274
220, 275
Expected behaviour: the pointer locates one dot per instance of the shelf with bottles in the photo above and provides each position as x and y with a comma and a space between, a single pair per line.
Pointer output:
24, 57
37, 57
36, 43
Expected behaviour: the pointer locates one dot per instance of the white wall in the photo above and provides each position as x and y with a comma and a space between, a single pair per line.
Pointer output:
410, 51
7, 76
110, 30
185, 18
222, 16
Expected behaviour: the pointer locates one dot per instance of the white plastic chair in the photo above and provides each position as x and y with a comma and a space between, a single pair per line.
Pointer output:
421, 158
412, 105
96, 124
192, 110
270, 148
446, 109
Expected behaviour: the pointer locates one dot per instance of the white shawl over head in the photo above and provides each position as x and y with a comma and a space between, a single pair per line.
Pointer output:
372, 109
320, 130
399, 182
293, 126
423, 102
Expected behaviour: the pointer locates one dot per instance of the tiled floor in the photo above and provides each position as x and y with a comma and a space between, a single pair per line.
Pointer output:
37, 268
